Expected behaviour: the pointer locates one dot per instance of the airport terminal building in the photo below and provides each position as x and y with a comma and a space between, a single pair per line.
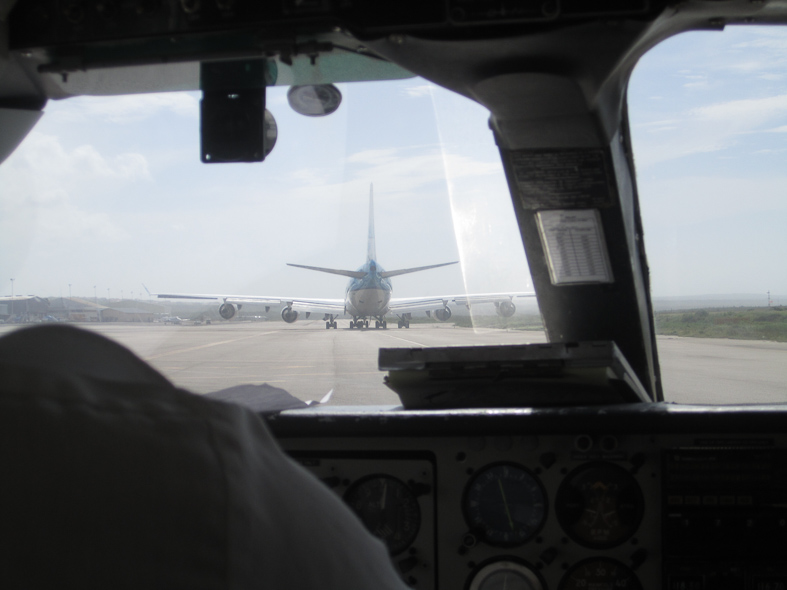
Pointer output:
23, 309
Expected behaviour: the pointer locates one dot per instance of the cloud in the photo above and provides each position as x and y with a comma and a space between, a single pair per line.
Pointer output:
132, 108
411, 169
770, 151
660, 126
69, 222
686, 200
744, 114
418, 91
708, 128
72, 171
53, 187
376, 157
719, 89
769, 39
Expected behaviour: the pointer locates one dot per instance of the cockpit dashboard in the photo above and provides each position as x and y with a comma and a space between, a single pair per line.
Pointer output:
635, 497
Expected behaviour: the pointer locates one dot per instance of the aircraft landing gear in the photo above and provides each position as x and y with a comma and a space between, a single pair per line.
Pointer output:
329, 325
404, 323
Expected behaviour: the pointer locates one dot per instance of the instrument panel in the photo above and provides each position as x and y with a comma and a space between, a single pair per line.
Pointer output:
518, 504
483, 512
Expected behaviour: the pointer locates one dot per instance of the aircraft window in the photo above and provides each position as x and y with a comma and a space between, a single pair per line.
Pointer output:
708, 114
108, 193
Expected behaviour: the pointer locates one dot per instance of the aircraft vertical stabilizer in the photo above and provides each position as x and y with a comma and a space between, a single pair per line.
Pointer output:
371, 253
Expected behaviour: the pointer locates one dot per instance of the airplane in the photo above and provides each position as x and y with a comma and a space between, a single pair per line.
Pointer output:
368, 295
172, 320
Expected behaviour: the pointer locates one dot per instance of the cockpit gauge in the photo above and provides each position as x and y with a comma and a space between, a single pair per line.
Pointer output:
599, 574
505, 575
505, 505
599, 505
388, 508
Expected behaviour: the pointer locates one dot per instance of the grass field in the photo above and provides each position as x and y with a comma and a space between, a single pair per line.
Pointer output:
517, 322
753, 323
741, 323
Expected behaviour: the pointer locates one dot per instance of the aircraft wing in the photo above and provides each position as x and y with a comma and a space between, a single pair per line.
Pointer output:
414, 304
332, 306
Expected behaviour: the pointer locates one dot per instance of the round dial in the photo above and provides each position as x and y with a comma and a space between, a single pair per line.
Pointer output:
388, 508
600, 574
505, 505
506, 575
599, 505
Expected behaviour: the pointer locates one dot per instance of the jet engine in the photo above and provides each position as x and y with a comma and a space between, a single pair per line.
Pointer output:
443, 314
506, 309
289, 315
227, 311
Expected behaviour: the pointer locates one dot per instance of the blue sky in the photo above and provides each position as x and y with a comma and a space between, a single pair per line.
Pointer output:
709, 125
109, 191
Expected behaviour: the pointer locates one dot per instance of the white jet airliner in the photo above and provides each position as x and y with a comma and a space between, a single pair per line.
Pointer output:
368, 295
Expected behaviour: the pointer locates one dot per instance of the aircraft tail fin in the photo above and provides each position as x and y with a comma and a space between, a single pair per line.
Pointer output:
371, 250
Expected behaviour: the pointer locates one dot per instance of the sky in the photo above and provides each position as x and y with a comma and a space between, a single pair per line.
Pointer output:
708, 114
108, 193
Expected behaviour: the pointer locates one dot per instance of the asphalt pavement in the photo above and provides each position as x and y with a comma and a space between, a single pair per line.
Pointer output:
308, 361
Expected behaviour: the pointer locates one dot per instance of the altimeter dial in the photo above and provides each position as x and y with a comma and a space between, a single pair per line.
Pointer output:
599, 505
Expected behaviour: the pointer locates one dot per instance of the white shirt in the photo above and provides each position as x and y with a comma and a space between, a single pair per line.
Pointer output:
136, 484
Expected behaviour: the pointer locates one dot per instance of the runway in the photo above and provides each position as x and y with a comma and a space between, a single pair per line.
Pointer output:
308, 361
304, 358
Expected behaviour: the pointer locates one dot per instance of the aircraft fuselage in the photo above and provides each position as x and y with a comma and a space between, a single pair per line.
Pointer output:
368, 296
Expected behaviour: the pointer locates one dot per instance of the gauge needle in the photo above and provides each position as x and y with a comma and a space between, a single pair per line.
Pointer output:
505, 503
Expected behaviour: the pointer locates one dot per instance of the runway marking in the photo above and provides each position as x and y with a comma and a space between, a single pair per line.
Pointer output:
181, 350
402, 339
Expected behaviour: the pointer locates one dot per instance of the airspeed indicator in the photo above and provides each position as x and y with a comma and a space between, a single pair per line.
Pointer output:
505, 505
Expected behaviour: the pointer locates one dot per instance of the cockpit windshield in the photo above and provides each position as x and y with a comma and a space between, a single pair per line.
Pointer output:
109, 220
110, 204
